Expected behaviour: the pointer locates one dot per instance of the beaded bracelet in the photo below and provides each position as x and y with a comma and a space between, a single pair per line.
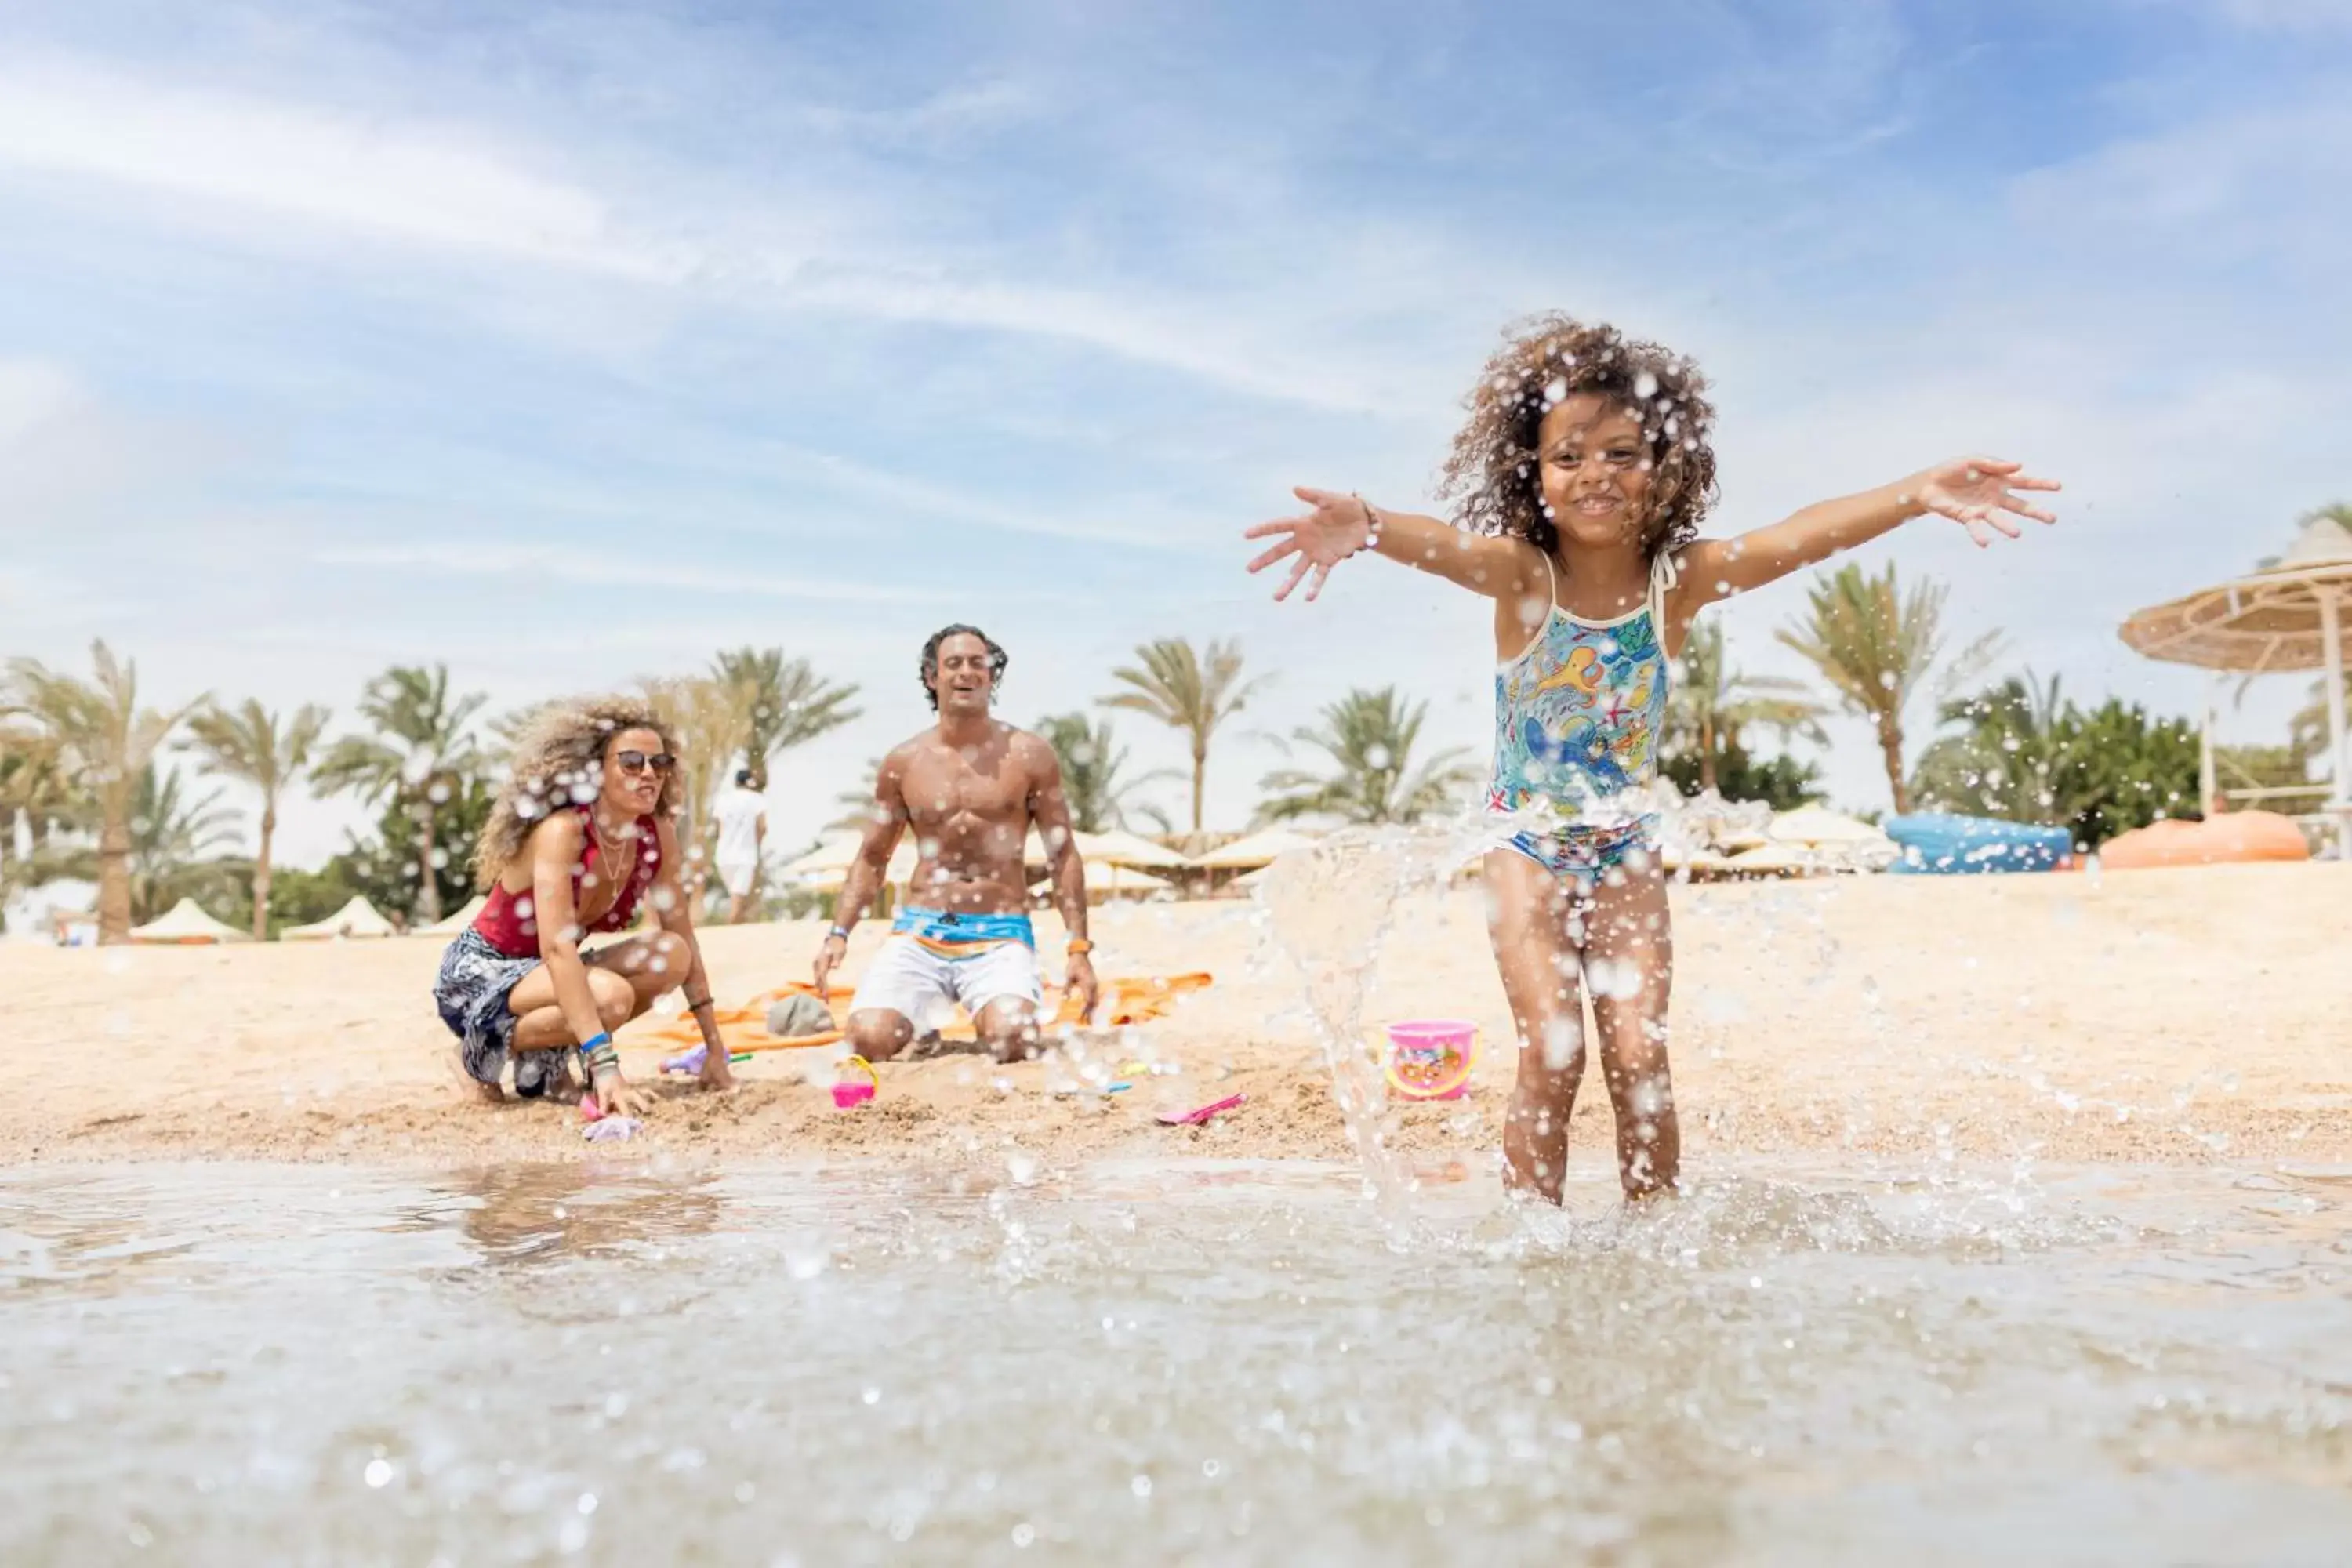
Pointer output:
1372, 524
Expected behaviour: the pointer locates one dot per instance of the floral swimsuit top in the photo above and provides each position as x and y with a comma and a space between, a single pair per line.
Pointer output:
1577, 718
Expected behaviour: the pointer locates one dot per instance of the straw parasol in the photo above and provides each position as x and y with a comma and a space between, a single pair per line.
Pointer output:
824, 868
1817, 824
356, 920
1109, 879
1257, 850
1121, 847
2289, 615
186, 924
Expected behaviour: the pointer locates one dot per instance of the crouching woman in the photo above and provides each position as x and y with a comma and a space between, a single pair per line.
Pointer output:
580, 839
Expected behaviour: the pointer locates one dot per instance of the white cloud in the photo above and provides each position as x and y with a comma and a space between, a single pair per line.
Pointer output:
585, 567
433, 185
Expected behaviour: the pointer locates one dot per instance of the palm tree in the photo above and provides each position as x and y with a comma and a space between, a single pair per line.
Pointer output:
710, 725
1091, 760
1874, 646
32, 790
1186, 691
787, 703
101, 741
248, 744
1368, 737
418, 757
1711, 704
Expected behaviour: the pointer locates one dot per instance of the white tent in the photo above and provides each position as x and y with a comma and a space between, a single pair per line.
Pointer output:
1257, 850
452, 924
184, 923
357, 920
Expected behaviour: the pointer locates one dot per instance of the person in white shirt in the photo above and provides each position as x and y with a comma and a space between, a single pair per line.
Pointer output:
742, 818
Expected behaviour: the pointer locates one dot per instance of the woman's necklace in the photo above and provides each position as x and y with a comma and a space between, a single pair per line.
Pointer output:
605, 845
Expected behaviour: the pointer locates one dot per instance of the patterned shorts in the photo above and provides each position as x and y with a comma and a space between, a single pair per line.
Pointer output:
471, 990
1585, 856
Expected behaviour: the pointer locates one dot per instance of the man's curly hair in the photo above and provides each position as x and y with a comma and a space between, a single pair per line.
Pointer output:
559, 761
929, 671
1545, 360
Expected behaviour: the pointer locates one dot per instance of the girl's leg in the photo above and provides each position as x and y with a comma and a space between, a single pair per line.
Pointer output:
1527, 918
1628, 962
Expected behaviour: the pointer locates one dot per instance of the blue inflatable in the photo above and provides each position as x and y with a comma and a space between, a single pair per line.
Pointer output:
1935, 844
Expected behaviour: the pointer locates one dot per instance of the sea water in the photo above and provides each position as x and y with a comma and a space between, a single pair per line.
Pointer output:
621, 1362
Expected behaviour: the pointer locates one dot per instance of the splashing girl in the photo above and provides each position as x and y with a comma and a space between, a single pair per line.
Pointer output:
1582, 477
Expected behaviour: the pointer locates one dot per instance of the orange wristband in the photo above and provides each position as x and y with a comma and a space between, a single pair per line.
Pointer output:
1077, 944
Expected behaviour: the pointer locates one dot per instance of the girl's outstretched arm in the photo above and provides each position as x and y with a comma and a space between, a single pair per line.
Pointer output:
1341, 525
1979, 493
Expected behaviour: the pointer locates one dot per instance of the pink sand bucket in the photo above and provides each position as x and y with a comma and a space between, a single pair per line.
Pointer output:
847, 1091
1431, 1059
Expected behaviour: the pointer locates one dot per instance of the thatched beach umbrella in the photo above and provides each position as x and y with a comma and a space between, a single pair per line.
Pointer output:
2287, 616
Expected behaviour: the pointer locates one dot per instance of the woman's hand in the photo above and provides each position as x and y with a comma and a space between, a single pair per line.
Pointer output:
717, 1073
616, 1096
1337, 527
1975, 493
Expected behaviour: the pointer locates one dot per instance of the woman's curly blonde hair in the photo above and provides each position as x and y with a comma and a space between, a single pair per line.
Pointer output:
559, 761
1545, 360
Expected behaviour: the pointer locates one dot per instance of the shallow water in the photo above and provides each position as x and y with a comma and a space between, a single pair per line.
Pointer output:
1154, 1364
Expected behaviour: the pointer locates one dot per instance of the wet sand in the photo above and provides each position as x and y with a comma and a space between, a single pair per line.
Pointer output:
2173, 1016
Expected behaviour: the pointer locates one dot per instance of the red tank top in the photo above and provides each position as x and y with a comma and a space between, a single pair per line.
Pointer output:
510, 924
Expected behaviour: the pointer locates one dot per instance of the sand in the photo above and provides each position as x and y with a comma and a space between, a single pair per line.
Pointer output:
2167, 1015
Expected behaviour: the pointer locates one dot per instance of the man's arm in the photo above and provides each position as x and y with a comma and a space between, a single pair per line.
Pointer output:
1049, 809
878, 839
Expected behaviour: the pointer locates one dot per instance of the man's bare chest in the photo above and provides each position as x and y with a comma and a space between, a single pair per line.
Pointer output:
950, 790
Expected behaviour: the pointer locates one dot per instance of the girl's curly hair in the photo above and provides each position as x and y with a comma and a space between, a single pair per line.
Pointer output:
559, 761
1546, 359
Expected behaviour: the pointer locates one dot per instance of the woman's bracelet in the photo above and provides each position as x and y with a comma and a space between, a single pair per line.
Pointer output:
597, 1055
697, 1007
1373, 522
1077, 945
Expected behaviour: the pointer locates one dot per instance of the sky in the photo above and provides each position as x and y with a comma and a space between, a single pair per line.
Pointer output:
567, 345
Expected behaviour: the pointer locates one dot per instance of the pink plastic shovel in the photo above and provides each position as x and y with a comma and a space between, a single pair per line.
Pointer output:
1194, 1118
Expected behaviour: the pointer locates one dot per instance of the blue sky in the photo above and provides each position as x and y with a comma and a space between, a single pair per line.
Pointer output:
567, 345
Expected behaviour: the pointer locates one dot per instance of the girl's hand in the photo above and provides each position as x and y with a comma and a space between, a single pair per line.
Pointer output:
1335, 529
1975, 492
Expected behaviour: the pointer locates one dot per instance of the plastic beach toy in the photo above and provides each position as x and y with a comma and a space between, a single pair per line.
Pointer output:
847, 1094
1194, 1118
1431, 1059
690, 1062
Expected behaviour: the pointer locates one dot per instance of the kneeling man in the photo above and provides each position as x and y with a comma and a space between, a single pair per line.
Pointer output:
969, 786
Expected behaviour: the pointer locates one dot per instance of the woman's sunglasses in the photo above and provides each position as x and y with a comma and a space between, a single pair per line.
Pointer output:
638, 763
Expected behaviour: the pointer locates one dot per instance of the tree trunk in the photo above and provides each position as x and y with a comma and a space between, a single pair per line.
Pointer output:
114, 874
261, 874
1200, 782
1707, 754
1890, 743
428, 906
